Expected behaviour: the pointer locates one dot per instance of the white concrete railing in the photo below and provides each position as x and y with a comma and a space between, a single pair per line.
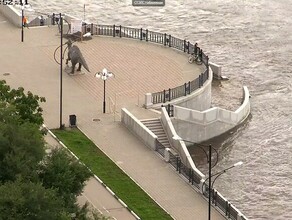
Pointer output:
138, 128
199, 126
13, 15
179, 146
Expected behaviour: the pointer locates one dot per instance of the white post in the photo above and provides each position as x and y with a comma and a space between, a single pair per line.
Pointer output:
148, 101
202, 187
166, 155
217, 70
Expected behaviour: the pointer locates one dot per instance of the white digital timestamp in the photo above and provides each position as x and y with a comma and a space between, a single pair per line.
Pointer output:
148, 2
13, 2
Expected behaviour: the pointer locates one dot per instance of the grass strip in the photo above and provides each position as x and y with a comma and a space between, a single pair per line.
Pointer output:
119, 182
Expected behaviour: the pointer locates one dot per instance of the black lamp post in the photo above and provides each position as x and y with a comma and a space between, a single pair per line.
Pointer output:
61, 73
23, 4
210, 173
209, 158
104, 75
22, 24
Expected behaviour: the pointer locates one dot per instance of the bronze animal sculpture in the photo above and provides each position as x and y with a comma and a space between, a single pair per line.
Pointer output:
75, 56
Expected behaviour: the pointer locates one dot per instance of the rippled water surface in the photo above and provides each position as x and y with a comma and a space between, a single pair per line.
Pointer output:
253, 42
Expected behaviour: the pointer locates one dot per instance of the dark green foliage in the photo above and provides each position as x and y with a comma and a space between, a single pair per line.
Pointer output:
26, 105
65, 174
29, 201
32, 185
21, 147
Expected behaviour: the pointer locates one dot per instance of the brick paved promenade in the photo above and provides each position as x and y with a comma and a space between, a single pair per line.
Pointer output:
139, 67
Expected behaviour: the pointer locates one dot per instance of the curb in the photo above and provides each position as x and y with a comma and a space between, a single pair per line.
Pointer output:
96, 177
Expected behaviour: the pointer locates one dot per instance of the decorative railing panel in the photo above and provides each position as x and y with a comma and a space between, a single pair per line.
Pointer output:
173, 160
155, 37
232, 213
177, 43
129, 32
160, 148
195, 84
221, 203
106, 30
158, 97
184, 170
205, 59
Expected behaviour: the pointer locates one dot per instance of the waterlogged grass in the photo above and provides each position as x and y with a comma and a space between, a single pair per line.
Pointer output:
136, 199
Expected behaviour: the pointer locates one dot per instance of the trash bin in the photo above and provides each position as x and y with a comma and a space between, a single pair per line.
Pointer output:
72, 120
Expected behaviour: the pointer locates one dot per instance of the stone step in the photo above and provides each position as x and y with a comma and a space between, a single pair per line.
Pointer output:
161, 136
158, 130
164, 137
156, 127
150, 121
163, 141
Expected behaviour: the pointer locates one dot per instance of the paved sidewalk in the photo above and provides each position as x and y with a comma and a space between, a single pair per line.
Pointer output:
139, 67
97, 195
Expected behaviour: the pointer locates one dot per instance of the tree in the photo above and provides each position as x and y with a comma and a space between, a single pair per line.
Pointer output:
21, 146
30, 201
26, 105
32, 185
62, 172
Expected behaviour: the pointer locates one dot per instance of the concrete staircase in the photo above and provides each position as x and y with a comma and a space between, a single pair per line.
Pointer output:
156, 127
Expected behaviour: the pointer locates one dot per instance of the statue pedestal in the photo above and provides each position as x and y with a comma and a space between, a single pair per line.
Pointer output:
68, 70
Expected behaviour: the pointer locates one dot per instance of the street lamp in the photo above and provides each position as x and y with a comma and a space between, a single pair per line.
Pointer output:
209, 158
61, 73
224, 171
22, 18
23, 6
61, 65
104, 75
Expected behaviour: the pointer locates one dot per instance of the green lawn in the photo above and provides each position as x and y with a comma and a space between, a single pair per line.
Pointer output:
119, 182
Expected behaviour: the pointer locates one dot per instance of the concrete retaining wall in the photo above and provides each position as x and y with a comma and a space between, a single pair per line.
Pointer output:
138, 128
179, 146
11, 14
199, 100
217, 70
198, 126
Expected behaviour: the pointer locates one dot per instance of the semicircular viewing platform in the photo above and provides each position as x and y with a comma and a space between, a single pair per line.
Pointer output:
139, 67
